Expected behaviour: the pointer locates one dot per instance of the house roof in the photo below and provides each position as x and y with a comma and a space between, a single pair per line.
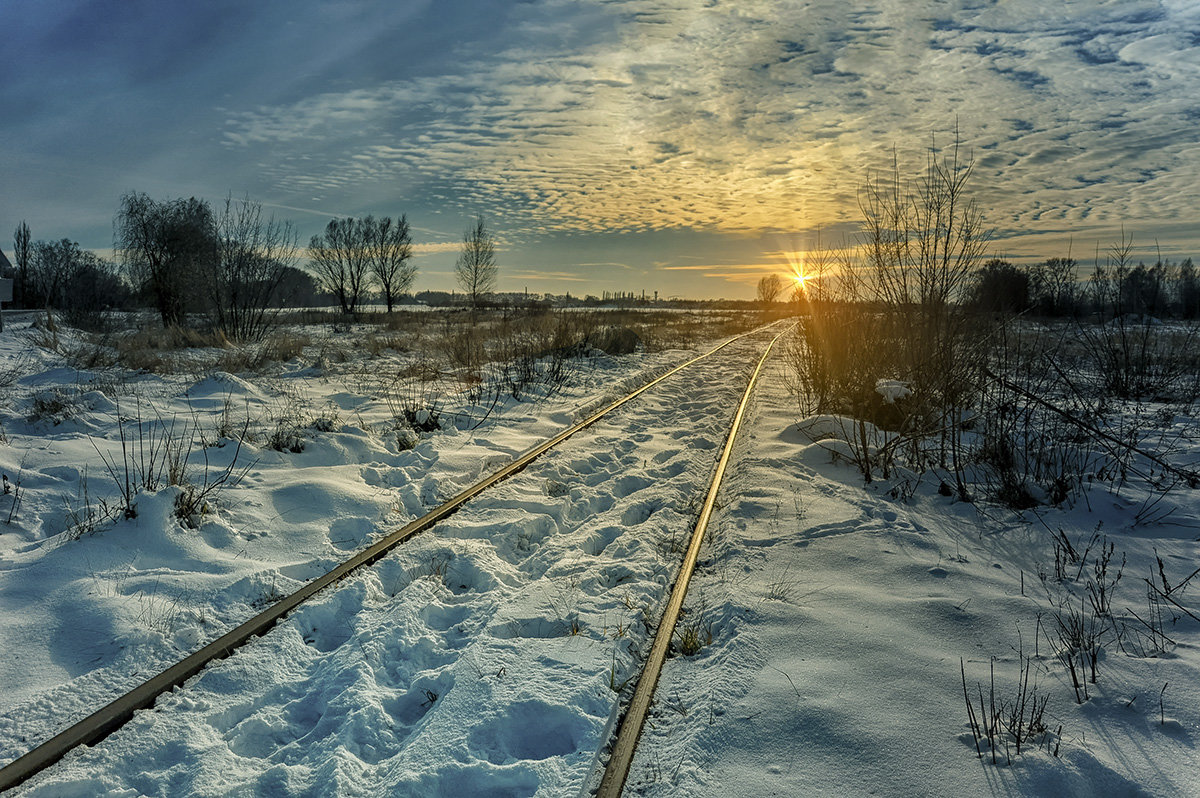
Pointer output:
5, 265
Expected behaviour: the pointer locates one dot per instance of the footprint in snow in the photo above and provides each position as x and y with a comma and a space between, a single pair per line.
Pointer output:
348, 534
638, 513
419, 699
529, 730
440, 617
599, 540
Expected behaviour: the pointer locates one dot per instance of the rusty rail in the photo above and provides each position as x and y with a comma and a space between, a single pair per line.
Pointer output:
630, 730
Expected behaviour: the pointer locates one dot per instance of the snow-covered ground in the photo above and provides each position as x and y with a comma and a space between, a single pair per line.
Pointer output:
839, 615
487, 657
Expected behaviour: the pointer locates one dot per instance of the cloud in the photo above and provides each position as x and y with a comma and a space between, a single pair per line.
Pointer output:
765, 115
604, 265
757, 267
571, 277
431, 248
623, 115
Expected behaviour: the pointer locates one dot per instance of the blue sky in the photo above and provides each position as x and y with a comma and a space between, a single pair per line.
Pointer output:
683, 146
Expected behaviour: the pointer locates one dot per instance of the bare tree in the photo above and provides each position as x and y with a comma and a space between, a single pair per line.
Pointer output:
922, 241
341, 261
476, 268
164, 245
769, 289
253, 254
1052, 284
53, 265
22, 252
70, 279
390, 247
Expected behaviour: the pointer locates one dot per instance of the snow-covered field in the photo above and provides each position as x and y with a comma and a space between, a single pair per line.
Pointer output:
840, 613
488, 656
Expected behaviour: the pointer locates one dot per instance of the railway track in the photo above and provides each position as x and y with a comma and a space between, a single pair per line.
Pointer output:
624, 746
116, 714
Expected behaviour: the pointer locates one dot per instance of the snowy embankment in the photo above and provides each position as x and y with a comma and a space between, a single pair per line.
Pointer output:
484, 658
839, 615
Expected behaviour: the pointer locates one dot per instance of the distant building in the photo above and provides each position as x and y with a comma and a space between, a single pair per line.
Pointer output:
6, 285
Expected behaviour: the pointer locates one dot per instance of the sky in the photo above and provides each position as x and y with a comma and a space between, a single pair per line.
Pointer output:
686, 147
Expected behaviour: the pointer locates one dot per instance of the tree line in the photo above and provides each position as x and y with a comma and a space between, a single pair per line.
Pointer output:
1116, 288
1053, 288
235, 266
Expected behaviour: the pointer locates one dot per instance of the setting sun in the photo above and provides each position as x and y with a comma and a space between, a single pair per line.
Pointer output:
799, 273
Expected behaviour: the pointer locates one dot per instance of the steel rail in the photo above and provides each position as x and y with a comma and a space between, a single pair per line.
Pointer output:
630, 730
104, 722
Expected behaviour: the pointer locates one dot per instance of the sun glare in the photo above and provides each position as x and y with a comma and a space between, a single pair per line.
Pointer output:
799, 275
805, 267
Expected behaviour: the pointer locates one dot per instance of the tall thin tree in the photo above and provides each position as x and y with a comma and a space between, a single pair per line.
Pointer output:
476, 268
22, 252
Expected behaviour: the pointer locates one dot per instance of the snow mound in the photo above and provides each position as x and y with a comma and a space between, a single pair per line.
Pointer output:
98, 402
891, 390
221, 384
827, 427
60, 375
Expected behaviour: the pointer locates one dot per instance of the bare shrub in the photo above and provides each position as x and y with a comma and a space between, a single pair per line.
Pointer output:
195, 501
244, 282
1165, 607
85, 516
55, 405
287, 423
1010, 722
14, 368
153, 454
464, 349
1027, 453
1133, 353
45, 333
1139, 357
1086, 577
905, 322
415, 397
1013, 411
694, 635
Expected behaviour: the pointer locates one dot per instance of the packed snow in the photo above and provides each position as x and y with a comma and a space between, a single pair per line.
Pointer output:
490, 655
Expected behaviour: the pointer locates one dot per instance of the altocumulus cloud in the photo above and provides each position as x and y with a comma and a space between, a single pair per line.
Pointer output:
555, 116
762, 115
